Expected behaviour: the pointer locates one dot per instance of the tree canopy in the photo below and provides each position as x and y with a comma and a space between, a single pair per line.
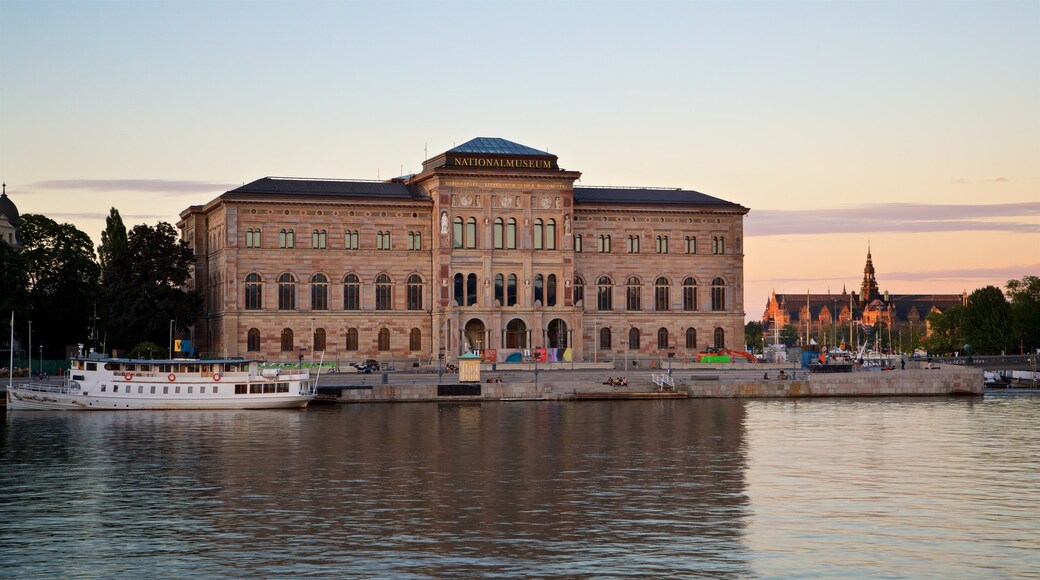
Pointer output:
1024, 296
61, 280
986, 324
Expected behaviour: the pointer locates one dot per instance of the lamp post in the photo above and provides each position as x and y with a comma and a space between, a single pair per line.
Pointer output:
29, 349
41, 359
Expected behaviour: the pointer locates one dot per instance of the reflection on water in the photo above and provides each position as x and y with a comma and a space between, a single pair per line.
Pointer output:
821, 488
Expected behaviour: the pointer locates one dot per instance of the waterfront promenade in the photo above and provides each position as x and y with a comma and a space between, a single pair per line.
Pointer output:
696, 381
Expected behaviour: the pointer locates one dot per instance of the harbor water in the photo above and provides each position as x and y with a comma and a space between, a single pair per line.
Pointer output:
794, 488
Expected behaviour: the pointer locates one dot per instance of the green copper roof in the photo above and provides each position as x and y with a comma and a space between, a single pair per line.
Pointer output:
494, 145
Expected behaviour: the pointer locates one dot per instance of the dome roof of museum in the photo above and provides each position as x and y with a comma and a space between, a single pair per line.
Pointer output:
496, 146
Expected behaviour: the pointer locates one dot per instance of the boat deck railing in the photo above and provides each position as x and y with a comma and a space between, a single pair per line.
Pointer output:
63, 388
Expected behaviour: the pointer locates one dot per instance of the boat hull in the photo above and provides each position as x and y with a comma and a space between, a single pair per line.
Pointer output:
36, 400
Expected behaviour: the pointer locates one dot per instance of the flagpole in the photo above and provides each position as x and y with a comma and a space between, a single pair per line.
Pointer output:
10, 380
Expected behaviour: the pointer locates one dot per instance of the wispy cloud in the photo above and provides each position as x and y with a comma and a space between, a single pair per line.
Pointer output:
974, 274
895, 217
965, 180
164, 186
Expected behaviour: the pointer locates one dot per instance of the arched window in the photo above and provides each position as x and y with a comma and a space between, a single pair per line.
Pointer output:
718, 245
556, 333
550, 290
253, 238
384, 339
319, 292
500, 289
516, 334
511, 234
499, 233
286, 238
539, 289
633, 294
351, 292
254, 292
604, 244
383, 240
691, 338
720, 338
691, 245
689, 294
471, 233
633, 338
718, 294
579, 290
459, 288
471, 289
286, 292
351, 341
351, 240
538, 233
415, 240
415, 340
384, 296
287, 339
253, 340
550, 234
319, 339
511, 291
662, 338
604, 293
415, 292
475, 333
661, 303
604, 339
457, 239
319, 239
577, 243
632, 245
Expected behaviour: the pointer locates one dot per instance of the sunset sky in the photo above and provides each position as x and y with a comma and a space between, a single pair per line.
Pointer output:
911, 126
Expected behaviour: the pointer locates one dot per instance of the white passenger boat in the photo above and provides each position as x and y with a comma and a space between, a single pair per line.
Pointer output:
97, 383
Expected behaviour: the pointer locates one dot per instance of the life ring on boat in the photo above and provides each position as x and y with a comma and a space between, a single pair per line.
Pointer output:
128, 376
171, 377
216, 376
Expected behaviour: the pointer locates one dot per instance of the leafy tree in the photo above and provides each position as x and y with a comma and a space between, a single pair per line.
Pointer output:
15, 295
753, 335
148, 349
61, 277
144, 286
945, 330
788, 335
986, 324
1024, 296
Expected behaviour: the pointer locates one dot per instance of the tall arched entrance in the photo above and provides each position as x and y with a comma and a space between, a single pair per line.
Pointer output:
557, 333
475, 334
516, 334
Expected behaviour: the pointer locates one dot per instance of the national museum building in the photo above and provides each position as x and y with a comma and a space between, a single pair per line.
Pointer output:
492, 247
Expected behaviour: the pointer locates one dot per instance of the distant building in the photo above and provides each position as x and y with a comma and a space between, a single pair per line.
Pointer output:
490, 246
826, 318
10, 231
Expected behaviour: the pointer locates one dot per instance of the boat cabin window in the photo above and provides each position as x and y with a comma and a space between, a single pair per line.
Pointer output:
153, 391
240, 389
130, 367
215, 390
103, 387
91, 366
111, 367
165, 368
146, 367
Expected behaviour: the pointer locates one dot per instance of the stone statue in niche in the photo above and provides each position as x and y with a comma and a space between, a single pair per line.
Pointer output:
559, 204
444, 223
518, 201
567, 225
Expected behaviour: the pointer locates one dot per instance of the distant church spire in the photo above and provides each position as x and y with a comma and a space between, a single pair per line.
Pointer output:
869, 288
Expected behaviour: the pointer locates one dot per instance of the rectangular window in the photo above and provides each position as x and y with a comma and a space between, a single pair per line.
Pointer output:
215, 390
152, 390
115, 388
177, 390
103, 388
577, 242
190, 389
140, 389
202, 390
166, 390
